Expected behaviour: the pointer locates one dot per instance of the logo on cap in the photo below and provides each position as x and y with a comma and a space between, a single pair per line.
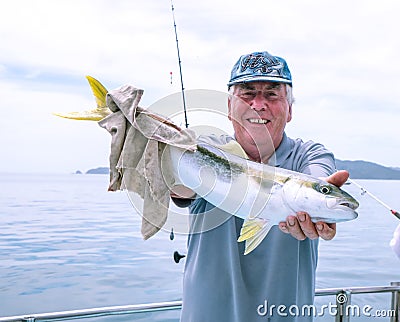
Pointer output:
262, 64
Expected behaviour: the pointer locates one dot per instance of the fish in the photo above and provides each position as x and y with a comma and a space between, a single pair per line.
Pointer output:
261, 194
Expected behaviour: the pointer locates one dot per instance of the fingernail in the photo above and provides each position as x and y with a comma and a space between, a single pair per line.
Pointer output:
283, 227
302, 217
291, 221
320, 226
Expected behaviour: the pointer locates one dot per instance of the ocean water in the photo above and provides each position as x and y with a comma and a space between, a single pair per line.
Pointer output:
66, 243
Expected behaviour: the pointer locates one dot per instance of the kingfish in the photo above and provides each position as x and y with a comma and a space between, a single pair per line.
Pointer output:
261, 194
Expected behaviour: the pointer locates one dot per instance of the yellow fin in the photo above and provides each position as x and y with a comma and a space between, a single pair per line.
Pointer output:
253, 232
234, 147
250, 228
100, 112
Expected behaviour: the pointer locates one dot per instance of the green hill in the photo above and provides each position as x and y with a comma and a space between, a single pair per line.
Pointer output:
368, 170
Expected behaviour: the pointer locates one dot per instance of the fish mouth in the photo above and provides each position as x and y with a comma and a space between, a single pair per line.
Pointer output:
344, 204
344, 210
351, 205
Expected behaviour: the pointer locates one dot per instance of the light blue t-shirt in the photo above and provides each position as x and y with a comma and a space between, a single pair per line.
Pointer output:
221, 284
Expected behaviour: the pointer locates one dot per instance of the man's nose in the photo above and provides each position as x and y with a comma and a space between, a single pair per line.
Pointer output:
259, 103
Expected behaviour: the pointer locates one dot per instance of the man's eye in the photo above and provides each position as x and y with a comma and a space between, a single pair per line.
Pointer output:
248, 94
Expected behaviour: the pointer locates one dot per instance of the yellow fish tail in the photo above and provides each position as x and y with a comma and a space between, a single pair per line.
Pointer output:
101, 110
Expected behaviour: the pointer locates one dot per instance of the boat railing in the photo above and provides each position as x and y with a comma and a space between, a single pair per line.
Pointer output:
344, 309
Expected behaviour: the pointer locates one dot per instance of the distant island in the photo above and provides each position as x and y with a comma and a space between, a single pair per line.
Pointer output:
358, 170
101, 170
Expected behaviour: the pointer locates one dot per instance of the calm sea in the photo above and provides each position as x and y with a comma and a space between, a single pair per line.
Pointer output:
66, 243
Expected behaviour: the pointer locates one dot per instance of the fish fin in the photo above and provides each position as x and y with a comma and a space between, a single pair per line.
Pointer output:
250, 227
235, 148
253, 232
101, 110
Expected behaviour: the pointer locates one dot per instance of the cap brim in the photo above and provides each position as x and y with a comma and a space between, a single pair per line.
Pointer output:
248, 79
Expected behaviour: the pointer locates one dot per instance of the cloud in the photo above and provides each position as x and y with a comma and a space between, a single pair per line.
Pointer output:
342, 56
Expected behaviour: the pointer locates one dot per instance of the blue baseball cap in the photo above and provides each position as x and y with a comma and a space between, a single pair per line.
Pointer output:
260, 67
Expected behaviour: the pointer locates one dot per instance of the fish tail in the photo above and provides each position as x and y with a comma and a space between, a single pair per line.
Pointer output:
99, 92
101, 110
253, 232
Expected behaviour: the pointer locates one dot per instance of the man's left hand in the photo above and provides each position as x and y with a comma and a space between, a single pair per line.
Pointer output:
301, 226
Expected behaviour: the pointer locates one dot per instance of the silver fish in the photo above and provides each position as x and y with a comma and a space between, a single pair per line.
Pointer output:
260, 194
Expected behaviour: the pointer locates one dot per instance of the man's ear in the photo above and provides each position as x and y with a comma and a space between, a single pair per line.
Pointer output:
229, 108
289, 117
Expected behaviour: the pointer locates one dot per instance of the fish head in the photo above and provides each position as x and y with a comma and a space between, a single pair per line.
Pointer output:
321, 200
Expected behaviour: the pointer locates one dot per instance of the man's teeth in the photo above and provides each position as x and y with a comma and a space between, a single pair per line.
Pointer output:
259, 121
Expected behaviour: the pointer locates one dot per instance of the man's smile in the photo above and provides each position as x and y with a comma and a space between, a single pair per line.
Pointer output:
259, 121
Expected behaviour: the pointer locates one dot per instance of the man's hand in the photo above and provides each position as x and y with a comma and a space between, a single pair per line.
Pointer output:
301, 226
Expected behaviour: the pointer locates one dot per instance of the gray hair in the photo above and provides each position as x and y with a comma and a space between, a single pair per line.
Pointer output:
289, 93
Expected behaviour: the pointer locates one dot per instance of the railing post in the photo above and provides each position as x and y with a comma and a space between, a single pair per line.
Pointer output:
343, 299
395, 303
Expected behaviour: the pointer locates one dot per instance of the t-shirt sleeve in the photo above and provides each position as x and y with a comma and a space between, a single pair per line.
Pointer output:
316, 160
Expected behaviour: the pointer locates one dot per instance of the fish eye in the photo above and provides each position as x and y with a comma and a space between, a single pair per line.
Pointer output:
325, 189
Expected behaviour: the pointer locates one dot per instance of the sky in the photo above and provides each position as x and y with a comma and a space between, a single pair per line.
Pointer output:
343, 56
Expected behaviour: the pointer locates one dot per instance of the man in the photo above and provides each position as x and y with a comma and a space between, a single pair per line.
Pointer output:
220, 283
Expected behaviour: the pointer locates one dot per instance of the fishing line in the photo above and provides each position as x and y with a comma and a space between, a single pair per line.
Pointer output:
364, 191
180, 66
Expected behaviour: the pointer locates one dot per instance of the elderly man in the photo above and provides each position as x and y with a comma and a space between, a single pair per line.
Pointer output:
277, 279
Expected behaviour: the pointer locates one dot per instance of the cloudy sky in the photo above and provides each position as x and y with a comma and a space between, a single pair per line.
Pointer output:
344, 58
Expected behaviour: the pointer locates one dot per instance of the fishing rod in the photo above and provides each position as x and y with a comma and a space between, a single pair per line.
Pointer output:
180, 66
364, 191
177, 256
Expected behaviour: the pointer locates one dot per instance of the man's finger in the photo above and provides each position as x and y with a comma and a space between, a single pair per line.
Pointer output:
293, 228
338, 178
307, 226
326, 231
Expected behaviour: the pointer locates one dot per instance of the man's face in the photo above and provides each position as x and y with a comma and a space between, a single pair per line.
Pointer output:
259, 108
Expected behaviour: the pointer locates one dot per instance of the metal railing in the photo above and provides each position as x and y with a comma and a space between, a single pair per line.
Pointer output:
95, 312
343, 306
345, 309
